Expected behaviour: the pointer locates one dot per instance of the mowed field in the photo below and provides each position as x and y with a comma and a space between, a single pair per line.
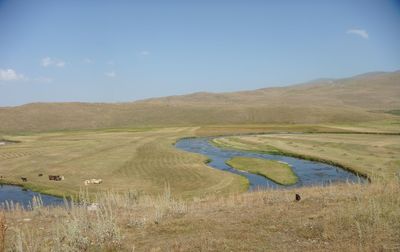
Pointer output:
340, 217
374, 155
126, 160
145, 160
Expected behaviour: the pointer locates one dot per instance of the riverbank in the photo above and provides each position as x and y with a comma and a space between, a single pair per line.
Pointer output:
37, 189
368, 155
308, 173
11, 196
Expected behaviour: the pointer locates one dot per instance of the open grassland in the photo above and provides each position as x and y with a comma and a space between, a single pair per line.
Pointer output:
278, 172
377, 156
342, 217
125, 160
164, 199
144, 159
221, 130
373, 127
381, 126
357, 99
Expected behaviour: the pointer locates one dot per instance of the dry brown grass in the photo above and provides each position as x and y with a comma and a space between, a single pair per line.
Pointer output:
344, 217
346, 100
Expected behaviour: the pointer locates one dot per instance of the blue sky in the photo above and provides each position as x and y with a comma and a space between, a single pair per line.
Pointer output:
112, 51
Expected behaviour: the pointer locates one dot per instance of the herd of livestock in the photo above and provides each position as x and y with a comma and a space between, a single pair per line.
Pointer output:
60, 178
57, 177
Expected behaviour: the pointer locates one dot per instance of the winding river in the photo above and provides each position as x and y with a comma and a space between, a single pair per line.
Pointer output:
309, 172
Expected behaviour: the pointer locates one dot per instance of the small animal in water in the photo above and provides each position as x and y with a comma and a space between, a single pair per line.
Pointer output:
298, 198
24, 179
40, 174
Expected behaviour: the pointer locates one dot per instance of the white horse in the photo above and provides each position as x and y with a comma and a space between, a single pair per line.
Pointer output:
93, 181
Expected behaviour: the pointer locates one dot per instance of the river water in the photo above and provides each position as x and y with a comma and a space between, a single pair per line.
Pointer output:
23, 197
309, 172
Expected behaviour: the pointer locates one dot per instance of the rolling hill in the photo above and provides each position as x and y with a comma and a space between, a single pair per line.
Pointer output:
360, 98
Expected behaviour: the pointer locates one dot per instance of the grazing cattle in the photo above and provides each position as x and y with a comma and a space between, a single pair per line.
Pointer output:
24, 179
56, 177
93, 181
40, 174
298, 198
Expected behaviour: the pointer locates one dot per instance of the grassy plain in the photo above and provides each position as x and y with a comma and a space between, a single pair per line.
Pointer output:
280, 173
141, 160
144, 159
373, 127
143, 214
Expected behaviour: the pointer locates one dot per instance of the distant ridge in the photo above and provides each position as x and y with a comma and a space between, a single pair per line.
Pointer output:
359, 98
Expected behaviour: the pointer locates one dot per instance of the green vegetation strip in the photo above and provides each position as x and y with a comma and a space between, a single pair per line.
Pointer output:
278, 172
394, 112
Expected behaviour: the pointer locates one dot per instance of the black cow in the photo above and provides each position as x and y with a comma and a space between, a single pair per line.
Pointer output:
56, 177
24, 179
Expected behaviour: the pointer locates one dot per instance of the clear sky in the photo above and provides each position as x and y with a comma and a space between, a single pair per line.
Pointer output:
111, 51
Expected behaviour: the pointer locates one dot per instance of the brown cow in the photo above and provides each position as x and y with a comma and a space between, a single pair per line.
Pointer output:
24, 179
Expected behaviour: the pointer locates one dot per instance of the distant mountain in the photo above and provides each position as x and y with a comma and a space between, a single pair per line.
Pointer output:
359, 98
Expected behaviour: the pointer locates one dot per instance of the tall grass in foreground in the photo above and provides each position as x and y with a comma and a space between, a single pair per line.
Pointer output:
92, 223
347, 216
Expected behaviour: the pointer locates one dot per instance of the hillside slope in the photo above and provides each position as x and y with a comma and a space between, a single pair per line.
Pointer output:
360, 98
